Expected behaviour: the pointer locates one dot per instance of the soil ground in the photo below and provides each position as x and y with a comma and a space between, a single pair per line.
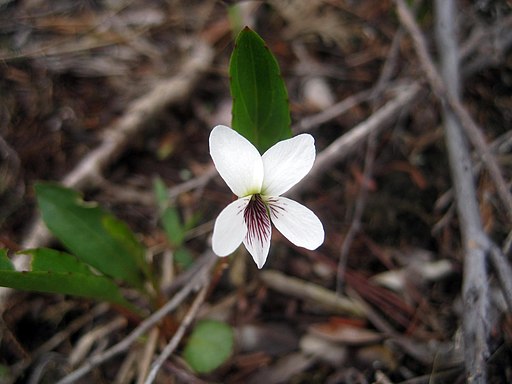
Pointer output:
69, 71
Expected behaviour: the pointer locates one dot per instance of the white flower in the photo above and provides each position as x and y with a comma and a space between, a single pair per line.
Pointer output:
258, 181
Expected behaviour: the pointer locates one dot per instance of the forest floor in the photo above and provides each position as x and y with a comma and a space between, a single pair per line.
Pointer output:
76, 77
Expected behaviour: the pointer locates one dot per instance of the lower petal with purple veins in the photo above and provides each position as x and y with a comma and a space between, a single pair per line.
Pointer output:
257, 238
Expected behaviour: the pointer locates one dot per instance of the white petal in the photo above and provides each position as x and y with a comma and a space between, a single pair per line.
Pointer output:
286, 163
237, 160
259, 230
259, 251
296, 222
229, 229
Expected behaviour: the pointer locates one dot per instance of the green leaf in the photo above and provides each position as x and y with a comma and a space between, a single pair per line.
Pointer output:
5, 262
120, 232
172, 224
160, 190
169, 216
93, 235
85, 285
50, 260
183, 258
260, 102
192, 221
5, 373
209, 345
60, 272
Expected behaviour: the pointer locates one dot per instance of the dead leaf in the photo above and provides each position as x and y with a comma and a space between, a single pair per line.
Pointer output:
345, 334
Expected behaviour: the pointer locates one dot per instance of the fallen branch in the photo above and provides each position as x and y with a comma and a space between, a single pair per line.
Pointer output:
474, 288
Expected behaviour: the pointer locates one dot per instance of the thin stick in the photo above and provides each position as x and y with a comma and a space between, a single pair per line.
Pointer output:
475, 288
147, 197
307, 123
146, 325
147, 355
173, 343
345, 145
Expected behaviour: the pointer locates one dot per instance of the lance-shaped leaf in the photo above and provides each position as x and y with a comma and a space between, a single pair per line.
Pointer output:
260, 102
59, 272
93, 235
169, 216
94, 287
51, 260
